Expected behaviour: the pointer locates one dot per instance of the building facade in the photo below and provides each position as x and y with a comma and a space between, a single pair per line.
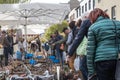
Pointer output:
112, 7
85, 6
72, 15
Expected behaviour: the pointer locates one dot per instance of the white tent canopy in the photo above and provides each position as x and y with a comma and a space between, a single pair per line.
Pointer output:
31, 29
34, 13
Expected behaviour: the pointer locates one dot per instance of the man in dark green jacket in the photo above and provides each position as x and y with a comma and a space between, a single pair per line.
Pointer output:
62, 41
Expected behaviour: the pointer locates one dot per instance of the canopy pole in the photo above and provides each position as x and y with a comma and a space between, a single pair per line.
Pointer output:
25, 28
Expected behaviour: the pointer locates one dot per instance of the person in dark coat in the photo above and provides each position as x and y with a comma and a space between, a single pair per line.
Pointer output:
58, 37
83, 31
11, 41
51, 41
39, 43
71, 36
6, 46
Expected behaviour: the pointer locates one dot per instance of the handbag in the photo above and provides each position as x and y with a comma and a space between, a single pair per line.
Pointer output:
77, 63
117, 72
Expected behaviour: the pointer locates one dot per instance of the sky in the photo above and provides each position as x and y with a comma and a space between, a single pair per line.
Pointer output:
49, 1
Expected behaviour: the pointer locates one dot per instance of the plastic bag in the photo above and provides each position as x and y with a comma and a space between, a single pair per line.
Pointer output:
29, 56
32, 62
64, 56
77, 63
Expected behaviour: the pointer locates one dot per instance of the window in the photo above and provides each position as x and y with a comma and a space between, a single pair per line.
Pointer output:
73, 16
99, 1
89, 4
113, 12
86, 7
77, 13
82, 9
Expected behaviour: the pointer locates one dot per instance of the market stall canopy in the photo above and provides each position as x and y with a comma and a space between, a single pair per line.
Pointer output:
34, 13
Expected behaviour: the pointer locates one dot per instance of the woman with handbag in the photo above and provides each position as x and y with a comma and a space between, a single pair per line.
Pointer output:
103, 45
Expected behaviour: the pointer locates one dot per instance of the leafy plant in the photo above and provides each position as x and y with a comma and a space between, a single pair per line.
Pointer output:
54, 27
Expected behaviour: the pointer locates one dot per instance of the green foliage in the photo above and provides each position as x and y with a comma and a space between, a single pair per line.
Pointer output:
55, 27
12, 1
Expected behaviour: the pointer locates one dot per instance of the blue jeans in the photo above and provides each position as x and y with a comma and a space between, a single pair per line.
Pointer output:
106, 70
83, 67
59, 56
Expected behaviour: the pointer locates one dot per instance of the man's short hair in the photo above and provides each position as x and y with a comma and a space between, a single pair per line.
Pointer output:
3, 32
72, 24
65, 29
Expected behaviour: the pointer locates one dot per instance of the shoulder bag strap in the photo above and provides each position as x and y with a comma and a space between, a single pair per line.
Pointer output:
116, 39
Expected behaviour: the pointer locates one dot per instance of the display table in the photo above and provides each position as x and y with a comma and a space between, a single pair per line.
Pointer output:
24, 70
33, 77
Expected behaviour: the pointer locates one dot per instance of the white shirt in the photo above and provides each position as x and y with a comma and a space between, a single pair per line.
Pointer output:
20, 45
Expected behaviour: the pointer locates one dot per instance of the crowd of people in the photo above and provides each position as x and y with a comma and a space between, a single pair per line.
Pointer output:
17, 48
6, 39
90, 45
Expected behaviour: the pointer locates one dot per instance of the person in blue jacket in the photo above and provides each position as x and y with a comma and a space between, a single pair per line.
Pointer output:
83, 31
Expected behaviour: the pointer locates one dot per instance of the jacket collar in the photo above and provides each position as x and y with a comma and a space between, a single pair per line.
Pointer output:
100, 18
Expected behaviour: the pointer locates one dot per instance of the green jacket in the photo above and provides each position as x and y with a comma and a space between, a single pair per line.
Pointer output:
101, 42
